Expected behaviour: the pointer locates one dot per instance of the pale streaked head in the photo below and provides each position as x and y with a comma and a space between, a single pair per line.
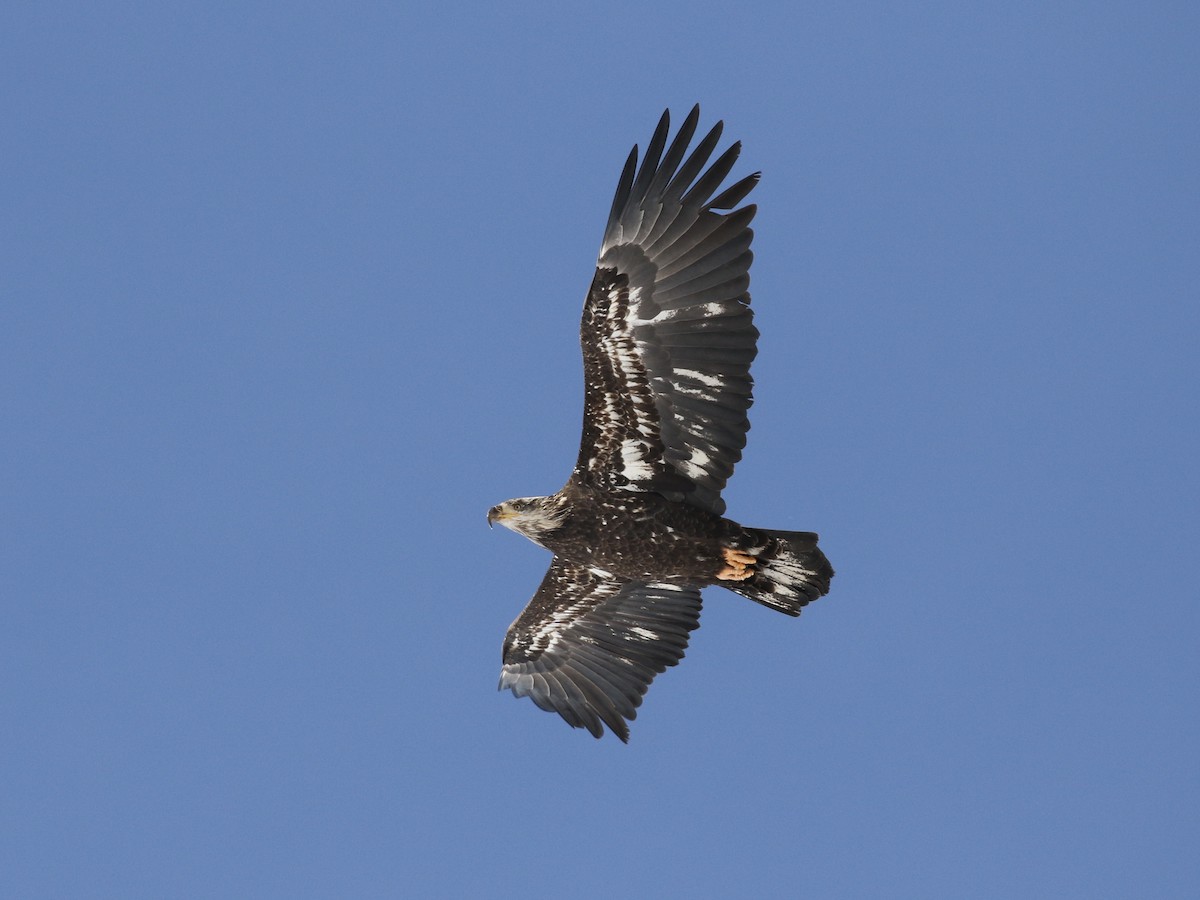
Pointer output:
531, 516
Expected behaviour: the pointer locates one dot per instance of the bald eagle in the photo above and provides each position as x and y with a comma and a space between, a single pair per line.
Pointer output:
639, 528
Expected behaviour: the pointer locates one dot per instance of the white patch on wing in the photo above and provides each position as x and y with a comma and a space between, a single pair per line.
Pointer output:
629, 420
552, 630
635, 303
691, 390
692, 313
713, 381
644, 633
633, 459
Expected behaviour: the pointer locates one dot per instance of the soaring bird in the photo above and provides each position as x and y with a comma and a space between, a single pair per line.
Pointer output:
639, 528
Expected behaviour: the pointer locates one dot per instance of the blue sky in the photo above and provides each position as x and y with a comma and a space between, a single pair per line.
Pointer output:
289, 298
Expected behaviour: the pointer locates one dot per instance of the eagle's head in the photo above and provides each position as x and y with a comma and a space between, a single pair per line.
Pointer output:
533, 517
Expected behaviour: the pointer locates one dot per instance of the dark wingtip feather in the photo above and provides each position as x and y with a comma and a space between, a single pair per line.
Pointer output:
624, 186
695, 163
674, 154
653, 154
735, 194
711, 180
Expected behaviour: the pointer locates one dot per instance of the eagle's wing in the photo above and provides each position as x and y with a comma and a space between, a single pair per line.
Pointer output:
587, 646
667, 330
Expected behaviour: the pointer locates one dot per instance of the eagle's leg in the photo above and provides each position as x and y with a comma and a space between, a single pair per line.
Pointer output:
738, 565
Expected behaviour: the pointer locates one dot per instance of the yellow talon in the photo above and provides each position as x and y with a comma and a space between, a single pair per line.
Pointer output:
738, 566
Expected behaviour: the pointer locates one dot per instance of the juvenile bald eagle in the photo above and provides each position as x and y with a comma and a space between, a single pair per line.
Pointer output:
638, 530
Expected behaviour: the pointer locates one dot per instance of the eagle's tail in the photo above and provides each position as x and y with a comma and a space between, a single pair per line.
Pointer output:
790, 570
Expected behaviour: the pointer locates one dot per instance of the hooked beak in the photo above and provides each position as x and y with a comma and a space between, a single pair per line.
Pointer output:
493, 516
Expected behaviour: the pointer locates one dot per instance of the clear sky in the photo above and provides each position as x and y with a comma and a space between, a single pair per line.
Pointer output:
289, 297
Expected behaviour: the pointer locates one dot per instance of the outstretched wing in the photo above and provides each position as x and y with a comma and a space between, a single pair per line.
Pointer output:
587, 646
667, 330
